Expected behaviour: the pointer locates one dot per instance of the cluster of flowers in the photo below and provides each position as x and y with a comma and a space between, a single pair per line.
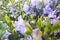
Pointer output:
38, 10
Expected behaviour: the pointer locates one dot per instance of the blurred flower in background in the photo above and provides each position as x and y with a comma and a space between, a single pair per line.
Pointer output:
9, 4
1, 3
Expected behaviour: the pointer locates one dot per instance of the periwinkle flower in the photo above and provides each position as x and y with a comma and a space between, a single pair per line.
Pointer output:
58, 39
6, 35
1, 3
54, 4
55, 33
19, 25
52, 21
34, 3
47, 10
58, 18
35, 32
14, 14
30, 11
12, 10
39, 6
34, 13
47, 2
28, 38
25, 7
40, 39
52, 14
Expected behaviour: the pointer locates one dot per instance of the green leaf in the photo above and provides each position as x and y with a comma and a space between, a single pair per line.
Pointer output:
14, 36
39, 34
1, 17
47, 22
31, 16
46, 29
56, 27
9, 22
11, 1
45, 35
23, 14
28, 29
46, 26
3, 28
53, 38
58, 7
4, 3
39, 21
41, 2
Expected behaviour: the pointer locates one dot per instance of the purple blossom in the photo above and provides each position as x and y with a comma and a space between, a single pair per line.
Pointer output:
19, 25
34, 13
39, 6
30, 11
0, 3
55, 33
9, 4
28, 38
47, 10
34, 3
58, 39
58, 18
6, 35
40, 39
25, 7
35, 32
52, 21
52, 14
47, 2
12, 10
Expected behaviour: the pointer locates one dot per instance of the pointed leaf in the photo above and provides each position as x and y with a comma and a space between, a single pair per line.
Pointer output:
39, 34
9, 22
58, 7
56, 27
3, 28
28, 28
